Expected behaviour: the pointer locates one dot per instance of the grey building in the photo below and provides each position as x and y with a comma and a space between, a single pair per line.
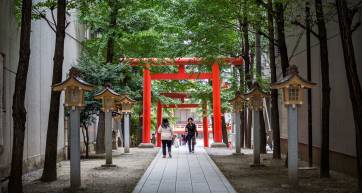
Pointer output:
38, 84
342, 129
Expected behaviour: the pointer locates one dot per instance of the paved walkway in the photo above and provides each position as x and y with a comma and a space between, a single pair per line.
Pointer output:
184, 173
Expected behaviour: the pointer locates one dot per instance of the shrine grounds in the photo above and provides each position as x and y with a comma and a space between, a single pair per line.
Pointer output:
273, 178
96, 179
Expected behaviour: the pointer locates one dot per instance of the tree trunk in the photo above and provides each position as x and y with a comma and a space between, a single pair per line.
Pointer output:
309, 77
324, 165
249, 119
140, 122
274, 93
262, 133
19, 111
224, 131
242, 129
259, 77
100, 146
279, 9
242, 89
86, 140
345, 17
112, 25
50, 162
248, 77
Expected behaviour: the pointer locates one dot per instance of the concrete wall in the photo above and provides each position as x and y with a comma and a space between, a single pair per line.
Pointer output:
342, 132
38, 83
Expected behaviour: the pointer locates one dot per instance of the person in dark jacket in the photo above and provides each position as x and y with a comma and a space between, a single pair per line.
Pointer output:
191, 131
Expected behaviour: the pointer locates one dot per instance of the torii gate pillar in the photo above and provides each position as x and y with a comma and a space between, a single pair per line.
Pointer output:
146, 137
216, 106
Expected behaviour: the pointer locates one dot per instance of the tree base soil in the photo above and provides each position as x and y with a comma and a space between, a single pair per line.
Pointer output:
95, 178
273, 177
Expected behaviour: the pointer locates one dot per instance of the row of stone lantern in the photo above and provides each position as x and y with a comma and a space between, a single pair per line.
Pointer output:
293, 87
75, 88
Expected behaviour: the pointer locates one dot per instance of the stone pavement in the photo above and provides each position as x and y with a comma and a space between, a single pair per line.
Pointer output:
183, 173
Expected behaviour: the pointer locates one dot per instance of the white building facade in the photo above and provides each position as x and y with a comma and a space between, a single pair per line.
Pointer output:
39, 82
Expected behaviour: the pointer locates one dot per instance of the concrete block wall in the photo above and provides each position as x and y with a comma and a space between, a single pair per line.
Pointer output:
38, 84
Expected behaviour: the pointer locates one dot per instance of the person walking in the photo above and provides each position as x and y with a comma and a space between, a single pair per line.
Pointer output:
191, 131
166, 137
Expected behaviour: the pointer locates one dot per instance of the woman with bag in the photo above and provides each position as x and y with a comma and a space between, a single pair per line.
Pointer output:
166, 137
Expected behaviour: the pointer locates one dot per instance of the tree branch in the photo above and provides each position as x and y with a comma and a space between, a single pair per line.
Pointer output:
43, 16
355, 9
269, 38
304, 27
53, 17
68, 23
266, 6
355, 27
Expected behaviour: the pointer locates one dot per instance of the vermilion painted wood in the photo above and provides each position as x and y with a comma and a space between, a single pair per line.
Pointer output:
181, 106
179, 61
146, 106
182, 76
159, 121
205, 125
216, 102
176, 95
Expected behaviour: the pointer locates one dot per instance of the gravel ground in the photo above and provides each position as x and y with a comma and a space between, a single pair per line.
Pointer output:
96, 179
273, 178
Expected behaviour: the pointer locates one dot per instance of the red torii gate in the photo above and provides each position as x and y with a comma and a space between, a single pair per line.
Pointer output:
181, 75
182, 97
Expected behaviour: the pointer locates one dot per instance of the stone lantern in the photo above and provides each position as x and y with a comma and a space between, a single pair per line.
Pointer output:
238, 104
256, 97
74, 88
126, 103
109, 98
256, 103
293, 87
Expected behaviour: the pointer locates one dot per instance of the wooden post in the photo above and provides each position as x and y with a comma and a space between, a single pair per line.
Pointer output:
205, 125
216, 106
159, 122
146, 137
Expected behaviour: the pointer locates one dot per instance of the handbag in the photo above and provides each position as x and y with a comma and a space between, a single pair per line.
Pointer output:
166, 134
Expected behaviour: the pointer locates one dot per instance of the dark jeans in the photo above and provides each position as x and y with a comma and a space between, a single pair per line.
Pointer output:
191, 140
168, 143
